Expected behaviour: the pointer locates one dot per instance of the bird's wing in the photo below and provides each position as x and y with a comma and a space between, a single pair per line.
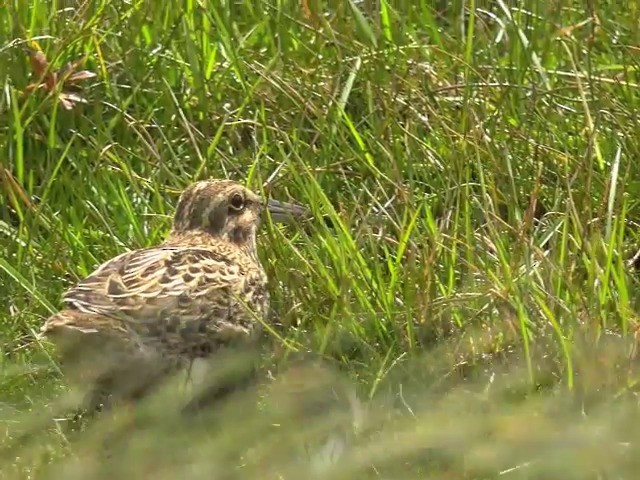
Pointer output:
78, 322
142, 284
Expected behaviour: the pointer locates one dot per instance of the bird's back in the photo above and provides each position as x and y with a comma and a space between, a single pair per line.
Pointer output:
149, 312
178, 299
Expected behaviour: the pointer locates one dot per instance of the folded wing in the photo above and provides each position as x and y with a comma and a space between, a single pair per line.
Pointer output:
140, 285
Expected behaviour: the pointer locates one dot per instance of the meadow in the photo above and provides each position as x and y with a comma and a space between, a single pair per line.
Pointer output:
469, 272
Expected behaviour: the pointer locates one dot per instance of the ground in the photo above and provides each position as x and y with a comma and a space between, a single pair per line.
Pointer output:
472, 169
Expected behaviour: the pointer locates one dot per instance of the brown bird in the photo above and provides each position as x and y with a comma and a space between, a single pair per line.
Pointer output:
149, 312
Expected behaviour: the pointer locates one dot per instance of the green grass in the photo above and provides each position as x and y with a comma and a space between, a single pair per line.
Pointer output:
480, 177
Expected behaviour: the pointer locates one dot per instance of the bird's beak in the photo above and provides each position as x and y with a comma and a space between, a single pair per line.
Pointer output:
285, 211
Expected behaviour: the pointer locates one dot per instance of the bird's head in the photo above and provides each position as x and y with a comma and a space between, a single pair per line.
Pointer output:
226, 209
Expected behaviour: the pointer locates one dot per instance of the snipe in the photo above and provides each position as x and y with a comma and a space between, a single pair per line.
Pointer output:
148, 312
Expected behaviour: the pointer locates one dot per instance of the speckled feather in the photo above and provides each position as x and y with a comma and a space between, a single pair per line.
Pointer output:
182, 299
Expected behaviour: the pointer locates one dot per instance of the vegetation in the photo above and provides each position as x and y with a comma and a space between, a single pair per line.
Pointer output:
472, 169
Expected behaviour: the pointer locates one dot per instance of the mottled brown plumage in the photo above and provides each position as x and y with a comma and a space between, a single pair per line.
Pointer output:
150, 311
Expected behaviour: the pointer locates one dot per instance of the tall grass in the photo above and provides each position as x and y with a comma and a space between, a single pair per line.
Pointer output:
472, 169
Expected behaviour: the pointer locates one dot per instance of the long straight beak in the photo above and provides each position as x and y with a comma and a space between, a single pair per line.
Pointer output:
285, 211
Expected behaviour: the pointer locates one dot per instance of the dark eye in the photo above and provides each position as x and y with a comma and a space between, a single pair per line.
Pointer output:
237, 202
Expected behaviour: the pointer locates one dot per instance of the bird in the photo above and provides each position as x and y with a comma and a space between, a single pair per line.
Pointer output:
152, 311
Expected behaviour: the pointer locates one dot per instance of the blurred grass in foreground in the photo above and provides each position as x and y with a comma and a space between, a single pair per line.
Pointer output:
476, 164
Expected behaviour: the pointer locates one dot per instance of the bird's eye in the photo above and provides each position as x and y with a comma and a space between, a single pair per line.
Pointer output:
237, 202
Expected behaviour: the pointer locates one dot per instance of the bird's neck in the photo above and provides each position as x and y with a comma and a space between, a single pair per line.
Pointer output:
197, 238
